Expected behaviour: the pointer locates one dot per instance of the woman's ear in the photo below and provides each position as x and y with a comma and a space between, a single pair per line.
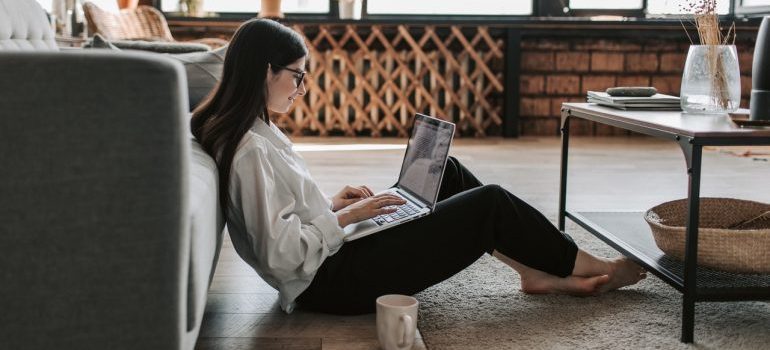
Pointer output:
269, 74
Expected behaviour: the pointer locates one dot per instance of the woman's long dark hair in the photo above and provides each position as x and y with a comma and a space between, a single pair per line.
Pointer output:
231, 109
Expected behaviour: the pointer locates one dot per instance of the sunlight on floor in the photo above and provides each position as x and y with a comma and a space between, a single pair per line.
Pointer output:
306, 147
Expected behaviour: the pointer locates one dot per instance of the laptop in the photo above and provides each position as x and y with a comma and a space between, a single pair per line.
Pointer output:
419, 180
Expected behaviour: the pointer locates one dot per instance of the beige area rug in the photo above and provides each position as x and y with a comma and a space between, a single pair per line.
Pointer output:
482, 308
756, 152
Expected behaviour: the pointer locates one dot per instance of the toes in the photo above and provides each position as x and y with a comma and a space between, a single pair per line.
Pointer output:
603, 279
601, 284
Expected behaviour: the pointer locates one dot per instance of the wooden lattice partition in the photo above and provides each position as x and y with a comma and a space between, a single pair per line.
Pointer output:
371, 80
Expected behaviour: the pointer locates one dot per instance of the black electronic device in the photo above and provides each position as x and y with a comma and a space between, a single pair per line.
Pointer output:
632, 91
760, 74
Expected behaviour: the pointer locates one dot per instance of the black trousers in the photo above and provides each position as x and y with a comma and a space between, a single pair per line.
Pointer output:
470, 219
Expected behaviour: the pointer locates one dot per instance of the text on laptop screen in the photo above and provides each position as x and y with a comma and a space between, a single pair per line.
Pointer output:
425, 158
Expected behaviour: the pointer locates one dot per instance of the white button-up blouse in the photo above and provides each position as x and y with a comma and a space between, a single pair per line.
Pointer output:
279, 220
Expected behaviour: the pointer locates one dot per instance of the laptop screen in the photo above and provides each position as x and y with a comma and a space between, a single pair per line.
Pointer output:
425, 158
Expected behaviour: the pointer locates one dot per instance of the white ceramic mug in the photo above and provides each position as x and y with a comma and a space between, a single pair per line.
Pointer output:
396, 321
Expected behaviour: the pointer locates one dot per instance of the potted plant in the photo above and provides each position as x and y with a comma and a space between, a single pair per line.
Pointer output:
350, 9
128, 4
270, 9
192, 8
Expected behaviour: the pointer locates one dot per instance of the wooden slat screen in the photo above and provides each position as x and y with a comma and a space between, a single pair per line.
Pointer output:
371, 80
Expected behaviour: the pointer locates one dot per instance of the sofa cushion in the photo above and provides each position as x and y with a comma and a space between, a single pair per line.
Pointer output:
204, 69
98, 42
206, 225
160, 46
24, 26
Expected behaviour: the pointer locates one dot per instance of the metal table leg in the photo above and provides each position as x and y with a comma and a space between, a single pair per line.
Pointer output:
693, 155
563, 181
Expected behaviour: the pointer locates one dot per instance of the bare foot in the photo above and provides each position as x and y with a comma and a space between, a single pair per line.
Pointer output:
538, 282
623, 272
592, 276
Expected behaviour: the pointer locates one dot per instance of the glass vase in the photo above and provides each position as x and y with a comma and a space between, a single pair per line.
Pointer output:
711, 82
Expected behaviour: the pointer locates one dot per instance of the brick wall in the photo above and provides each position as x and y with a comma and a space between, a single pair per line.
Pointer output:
559, 65
558, 69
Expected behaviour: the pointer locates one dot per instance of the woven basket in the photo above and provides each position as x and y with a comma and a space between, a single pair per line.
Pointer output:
733, 235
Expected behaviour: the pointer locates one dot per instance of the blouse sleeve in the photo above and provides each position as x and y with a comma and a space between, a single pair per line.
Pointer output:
281, 242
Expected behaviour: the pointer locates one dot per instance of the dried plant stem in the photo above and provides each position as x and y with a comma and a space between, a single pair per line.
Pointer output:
686, 32
710, 35
730, 30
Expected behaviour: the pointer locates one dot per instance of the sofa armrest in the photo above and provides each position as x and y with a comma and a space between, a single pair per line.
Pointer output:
94, 231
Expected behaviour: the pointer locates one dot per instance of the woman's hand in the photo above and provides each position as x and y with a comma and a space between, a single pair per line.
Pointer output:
368, 208
350, 195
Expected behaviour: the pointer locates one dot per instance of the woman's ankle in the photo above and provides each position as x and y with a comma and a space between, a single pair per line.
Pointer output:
587, 265
531, 285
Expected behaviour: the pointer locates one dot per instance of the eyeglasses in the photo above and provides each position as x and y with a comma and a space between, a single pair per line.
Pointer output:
299, 75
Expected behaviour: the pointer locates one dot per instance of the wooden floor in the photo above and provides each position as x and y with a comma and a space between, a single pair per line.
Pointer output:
605, 174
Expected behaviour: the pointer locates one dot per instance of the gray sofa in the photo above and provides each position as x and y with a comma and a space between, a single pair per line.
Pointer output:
109, 221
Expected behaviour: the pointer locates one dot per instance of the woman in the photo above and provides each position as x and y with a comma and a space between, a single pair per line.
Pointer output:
291, 234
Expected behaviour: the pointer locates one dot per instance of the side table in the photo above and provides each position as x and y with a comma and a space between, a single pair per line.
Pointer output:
628, 232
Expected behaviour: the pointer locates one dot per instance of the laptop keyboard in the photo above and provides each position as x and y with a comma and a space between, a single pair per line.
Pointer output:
402, 212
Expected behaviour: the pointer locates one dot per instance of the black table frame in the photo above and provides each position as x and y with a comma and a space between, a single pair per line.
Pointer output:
692, 147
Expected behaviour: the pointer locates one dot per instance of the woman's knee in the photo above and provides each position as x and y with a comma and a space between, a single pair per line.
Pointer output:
494, 190
452, 165
499, 197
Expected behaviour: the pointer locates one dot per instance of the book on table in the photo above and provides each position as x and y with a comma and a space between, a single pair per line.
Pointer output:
657, 102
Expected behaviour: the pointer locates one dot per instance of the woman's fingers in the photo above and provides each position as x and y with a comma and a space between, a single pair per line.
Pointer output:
385, 195
350, 201
385, 210
384, 203
389, 201
355, 192
395, 201
381, 202
367, 190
